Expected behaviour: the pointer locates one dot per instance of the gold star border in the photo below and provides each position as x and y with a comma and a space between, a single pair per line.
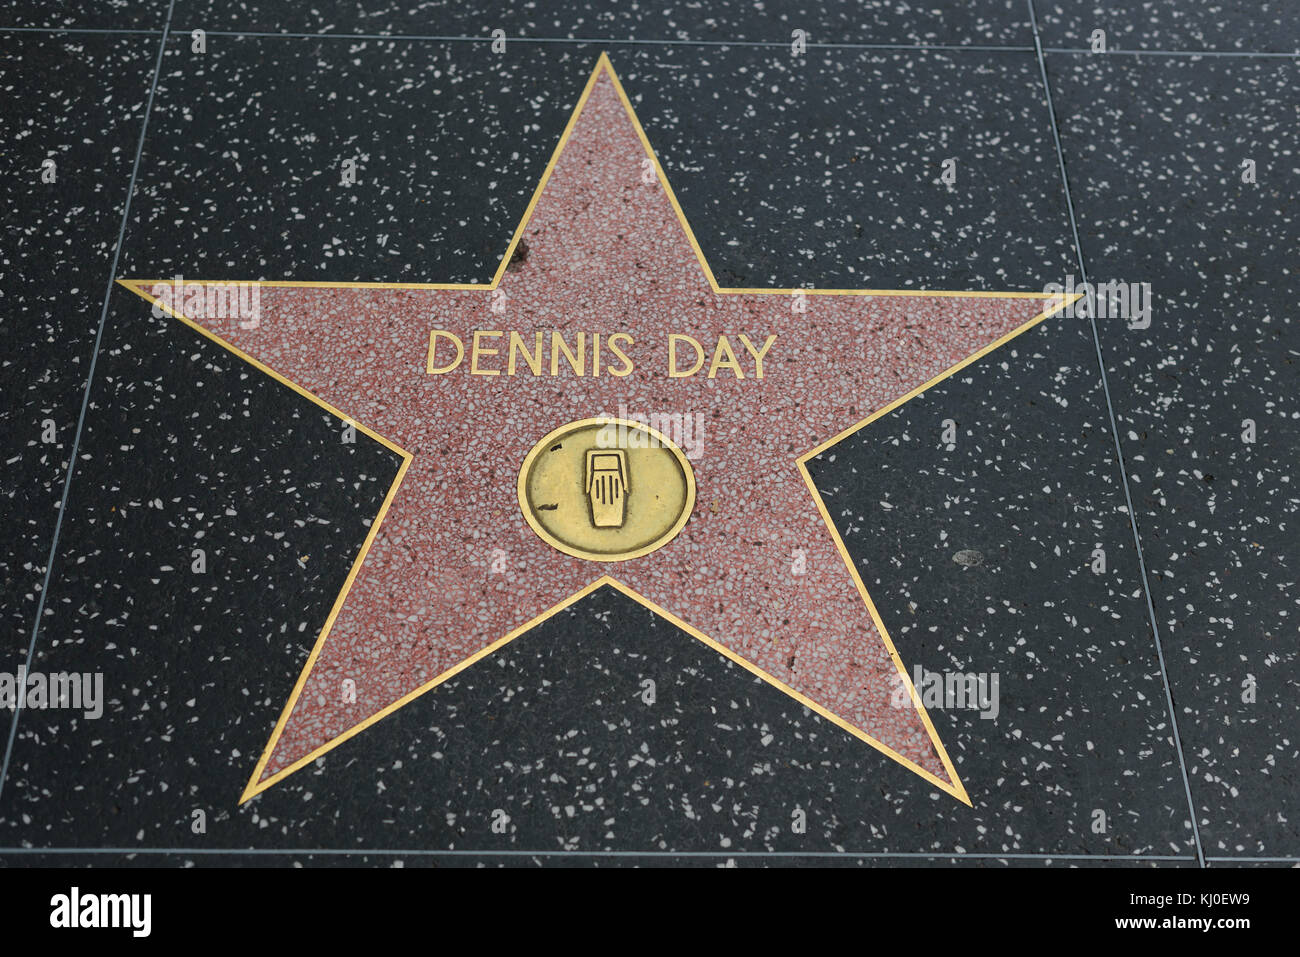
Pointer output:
954, 787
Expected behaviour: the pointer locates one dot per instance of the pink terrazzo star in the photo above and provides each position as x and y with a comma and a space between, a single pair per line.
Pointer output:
608, 252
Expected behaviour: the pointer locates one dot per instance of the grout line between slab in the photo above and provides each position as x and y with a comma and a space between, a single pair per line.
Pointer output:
1119, 450
85, 399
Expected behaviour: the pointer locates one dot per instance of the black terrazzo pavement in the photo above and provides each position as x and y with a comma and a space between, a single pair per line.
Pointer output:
136, 15
554, 732
1268, 26
845, 149
187, 447
848, 148
837, 21
243, 177
418, 858
1159, 192
979, 556
80, 102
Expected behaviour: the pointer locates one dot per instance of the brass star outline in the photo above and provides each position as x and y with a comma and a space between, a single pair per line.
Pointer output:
1055, 303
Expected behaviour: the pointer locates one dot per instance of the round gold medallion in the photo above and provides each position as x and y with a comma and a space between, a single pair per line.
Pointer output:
606, 489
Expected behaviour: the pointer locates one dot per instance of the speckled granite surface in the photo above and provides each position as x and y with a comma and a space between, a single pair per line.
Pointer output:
77, 102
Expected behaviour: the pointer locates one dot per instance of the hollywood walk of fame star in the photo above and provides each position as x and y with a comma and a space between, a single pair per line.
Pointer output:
452, 569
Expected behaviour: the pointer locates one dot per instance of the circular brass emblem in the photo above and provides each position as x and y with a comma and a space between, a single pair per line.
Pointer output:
606, 489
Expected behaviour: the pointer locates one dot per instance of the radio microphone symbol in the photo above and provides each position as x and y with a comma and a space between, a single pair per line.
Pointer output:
607, 486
